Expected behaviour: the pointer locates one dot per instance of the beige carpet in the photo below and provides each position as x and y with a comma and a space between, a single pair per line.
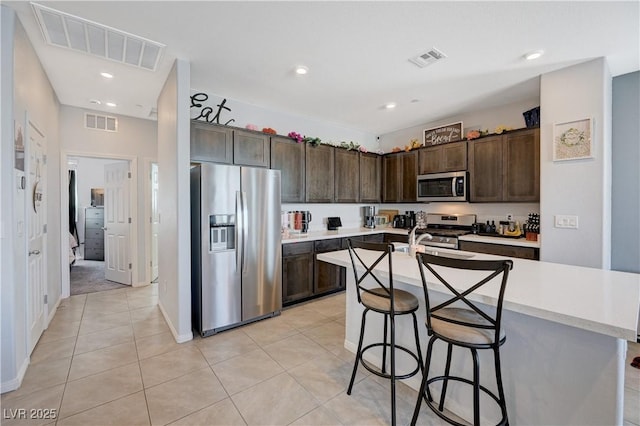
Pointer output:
87, 276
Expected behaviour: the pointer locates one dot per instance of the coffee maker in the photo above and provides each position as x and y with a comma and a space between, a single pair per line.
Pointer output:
369, 216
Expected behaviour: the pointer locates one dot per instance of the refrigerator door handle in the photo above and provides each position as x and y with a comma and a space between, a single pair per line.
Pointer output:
239, 231
245, 229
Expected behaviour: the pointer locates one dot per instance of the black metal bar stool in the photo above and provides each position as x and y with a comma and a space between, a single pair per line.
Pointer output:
383, 299
460, 322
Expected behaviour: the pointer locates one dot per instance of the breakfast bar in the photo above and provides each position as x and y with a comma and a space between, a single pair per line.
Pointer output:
567, 329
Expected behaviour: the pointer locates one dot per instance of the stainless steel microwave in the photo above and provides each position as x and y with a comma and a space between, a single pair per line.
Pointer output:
450, 186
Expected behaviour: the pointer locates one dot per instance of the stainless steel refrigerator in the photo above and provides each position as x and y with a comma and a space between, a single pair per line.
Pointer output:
236, 252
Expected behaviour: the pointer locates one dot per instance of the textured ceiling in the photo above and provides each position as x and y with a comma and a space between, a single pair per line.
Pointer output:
357, 54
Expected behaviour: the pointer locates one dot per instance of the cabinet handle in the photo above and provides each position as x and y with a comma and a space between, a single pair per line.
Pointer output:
34, 252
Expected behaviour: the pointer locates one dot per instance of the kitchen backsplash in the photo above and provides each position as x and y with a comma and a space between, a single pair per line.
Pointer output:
351, 214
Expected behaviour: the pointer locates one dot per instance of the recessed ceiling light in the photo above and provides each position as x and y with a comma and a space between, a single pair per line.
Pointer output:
95, 102
390, 105
533, 55
302, 70
106, 75
110, 104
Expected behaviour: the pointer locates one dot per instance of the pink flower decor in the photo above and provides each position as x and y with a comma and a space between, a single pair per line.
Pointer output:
362, 148
473, 134
251, 126
295, 136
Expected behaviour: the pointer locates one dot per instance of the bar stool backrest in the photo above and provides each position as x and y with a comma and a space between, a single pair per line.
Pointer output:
384, 250
438, 265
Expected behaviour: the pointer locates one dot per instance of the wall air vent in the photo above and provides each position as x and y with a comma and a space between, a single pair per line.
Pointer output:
429, 57
100, 122
71, 32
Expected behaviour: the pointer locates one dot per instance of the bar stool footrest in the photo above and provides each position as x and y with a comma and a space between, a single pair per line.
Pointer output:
434, 406
387, 375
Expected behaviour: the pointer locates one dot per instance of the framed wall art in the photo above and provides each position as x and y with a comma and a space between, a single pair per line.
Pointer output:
443, 134
573, 140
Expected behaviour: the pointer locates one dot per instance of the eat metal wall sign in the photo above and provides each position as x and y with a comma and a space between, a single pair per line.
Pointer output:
443, 134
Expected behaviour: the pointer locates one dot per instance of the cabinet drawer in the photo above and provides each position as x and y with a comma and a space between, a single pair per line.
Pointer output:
93, 254
322, 246
94, 213
94, 223
293, 249
94, 243
93, 233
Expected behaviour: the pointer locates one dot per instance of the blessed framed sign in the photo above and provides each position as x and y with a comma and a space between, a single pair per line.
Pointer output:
443, 134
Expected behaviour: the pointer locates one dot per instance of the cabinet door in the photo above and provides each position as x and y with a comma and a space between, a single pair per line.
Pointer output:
297, 271
289, 157
251, 148
391, 169
347, 176
370, 178
327, 276
429, 160
210, 142
454, 157
501, 250
409, 176
522, 166
485, 169
319, 174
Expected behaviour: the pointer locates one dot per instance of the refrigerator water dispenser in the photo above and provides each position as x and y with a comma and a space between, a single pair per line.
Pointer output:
222, 232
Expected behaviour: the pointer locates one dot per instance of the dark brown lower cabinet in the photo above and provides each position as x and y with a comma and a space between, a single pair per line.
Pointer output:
297, 271
501, 250
327, 276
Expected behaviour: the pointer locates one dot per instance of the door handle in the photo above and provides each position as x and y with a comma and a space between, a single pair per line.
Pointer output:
103, 228
34, 252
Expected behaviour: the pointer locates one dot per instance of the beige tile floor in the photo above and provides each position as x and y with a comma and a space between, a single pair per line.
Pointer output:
109, 358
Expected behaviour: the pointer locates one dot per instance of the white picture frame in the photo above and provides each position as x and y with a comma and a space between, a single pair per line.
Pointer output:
573, 140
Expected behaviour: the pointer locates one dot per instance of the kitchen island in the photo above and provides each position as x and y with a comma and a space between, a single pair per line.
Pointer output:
567, 329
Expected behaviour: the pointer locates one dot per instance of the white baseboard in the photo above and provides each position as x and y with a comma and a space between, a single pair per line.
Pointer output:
139, 284
180, 338
52, 312
13, 384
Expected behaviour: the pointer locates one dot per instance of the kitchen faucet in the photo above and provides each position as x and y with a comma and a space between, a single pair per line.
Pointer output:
414, 242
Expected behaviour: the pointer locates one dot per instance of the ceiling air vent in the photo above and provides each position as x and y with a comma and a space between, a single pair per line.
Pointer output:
100, 122
71, 32
429, 57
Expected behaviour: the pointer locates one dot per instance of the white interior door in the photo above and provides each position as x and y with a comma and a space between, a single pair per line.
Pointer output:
117, 223
37, 238
155, 221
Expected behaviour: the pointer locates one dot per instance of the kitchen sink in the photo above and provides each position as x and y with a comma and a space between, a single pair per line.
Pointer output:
404, 248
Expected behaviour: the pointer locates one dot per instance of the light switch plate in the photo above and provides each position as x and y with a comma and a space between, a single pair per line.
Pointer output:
566, 221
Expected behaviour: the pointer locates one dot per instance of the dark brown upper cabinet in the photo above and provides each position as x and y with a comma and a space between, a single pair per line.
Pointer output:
505, 168
347, 176
211, 143
222, 144
251, 148
289, 157
450, 157
400, 172
370, 178
320, 174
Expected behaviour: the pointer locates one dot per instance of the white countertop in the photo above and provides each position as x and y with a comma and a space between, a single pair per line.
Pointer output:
606, 302
341, 233
520, 242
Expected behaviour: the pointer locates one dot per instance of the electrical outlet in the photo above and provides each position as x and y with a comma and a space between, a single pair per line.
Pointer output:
509, 216
566, 221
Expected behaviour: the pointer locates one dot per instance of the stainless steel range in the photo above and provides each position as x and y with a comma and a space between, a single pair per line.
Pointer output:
446, 228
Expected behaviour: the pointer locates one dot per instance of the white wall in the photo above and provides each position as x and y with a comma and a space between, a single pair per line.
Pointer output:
136, 138
509, 115
174, 203
90, 174
244, 113
34, 97
625, 192
577, 187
